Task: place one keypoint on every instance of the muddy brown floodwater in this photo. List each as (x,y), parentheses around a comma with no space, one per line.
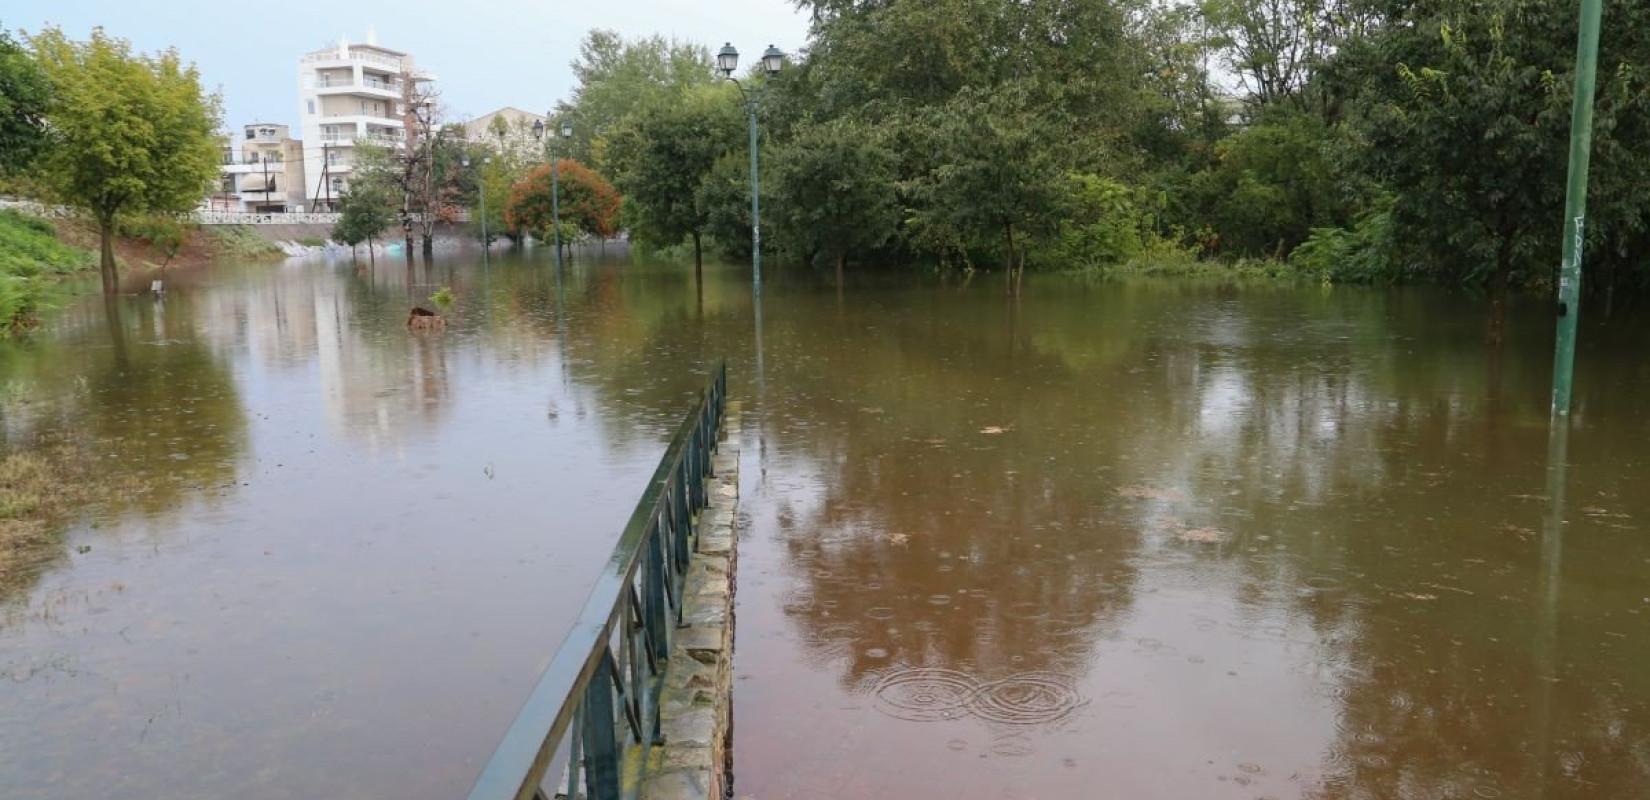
(1134,540)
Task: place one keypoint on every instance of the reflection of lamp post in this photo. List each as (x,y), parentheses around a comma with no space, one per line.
(727,60)
(481,183)
(555,182)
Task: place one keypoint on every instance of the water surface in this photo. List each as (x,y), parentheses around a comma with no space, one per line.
(1137,540)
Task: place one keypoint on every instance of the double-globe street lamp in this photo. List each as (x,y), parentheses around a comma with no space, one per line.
(481,183)
(555,181)
(727,60)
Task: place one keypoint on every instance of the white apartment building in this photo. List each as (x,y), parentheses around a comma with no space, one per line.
(266,175)
(349,94)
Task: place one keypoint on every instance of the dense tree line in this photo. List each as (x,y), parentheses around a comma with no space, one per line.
(1352,140)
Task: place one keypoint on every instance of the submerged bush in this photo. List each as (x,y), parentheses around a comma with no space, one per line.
(1366,253)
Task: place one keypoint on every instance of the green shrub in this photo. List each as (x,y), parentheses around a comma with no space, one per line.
(1106,225)
(312,241)
(1367,253)
(443,296)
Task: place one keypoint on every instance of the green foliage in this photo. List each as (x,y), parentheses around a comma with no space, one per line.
(312,241)
(1270,185)
(366,209)
(25,96)
(1106,224)
(30,257)
(443,297)
(1473,129)
(241,241)
(132,133)
(991,179)
(619,79)
(833,189)
(1368,252)
(661,158)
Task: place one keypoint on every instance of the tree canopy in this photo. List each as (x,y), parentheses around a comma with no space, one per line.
(130,132)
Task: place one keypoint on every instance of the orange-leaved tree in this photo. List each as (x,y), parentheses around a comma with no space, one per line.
(589,204)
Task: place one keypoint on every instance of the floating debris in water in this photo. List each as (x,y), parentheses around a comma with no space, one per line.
(1148,493)
(1206,535)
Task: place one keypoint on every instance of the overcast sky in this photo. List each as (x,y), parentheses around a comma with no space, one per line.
(487,53)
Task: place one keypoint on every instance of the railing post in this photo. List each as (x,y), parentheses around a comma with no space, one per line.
(600,736)
(653,591)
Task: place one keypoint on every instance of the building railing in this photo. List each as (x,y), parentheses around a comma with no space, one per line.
(332,55)
(211,217)
(203,217)
(272,218)
(600,693)
(367,82)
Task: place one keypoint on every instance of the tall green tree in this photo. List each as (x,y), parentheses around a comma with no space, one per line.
(1466,115)
(662,158)
(834,190)
(25,96)
(133,133)
(367,209)
(991,178)
(618,78)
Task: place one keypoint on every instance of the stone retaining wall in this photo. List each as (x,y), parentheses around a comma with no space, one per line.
(696,709)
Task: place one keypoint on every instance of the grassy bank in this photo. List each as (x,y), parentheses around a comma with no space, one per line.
(32,258)
(39,489)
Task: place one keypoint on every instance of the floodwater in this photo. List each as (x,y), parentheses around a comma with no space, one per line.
(1135,540)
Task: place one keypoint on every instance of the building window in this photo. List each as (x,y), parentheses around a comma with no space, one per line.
(311,106)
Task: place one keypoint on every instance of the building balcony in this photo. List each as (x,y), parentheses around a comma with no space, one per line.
(349,139)
(362,121)
(331,58)
(367,87)
(255,167)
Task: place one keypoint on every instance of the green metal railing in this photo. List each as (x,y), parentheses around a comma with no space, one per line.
(600,693)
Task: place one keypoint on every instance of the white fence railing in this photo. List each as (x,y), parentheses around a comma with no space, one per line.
(250,218)
(200,217)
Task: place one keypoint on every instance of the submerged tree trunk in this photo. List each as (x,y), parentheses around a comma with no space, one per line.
(429,245)
(1008,232)
(1498,290)
(117,330)
(106,232)
(841,261)
(698,260)
(1020,274)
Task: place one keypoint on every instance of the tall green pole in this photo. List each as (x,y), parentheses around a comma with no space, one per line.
(756,206)
(555,207)
(1575,205)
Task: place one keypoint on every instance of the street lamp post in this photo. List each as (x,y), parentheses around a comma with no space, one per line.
(555,182)
(481,183)
(727,60)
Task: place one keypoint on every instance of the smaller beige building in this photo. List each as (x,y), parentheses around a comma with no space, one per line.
(264,174)
(508,130)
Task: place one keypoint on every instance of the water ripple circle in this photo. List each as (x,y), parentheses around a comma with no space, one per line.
(1029,698)
(925,694)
